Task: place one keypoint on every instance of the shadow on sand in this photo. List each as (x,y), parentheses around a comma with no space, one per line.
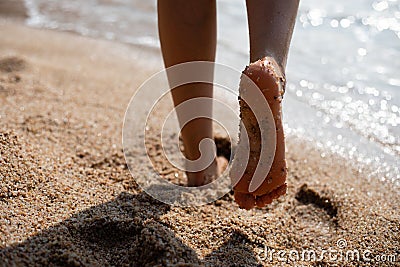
(124,232)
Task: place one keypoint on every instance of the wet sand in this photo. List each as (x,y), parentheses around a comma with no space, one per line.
(67,197)
(14,9)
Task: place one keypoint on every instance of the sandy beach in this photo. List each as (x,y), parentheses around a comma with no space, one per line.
(67,197)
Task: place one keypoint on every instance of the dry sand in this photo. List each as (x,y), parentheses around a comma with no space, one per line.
(68,199)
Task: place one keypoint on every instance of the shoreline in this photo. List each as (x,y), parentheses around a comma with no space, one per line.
(67,196)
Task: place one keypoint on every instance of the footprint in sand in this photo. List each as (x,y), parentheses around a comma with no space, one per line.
(12,63)
(311,196)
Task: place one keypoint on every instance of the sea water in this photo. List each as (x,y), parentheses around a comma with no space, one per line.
(343,90)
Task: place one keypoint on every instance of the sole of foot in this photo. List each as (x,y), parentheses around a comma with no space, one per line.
(268,77)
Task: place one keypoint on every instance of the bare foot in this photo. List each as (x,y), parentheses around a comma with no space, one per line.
(209,174)
(265,73)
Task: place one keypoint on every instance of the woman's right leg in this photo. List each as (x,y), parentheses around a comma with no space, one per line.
(271,26)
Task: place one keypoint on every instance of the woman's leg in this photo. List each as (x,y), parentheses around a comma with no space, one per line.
(187,31)
(271,26)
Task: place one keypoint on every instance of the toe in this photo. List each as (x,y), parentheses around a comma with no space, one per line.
(267,199)
(262,201)
(245,200)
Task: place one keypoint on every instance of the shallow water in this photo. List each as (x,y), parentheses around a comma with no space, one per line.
(343,72)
